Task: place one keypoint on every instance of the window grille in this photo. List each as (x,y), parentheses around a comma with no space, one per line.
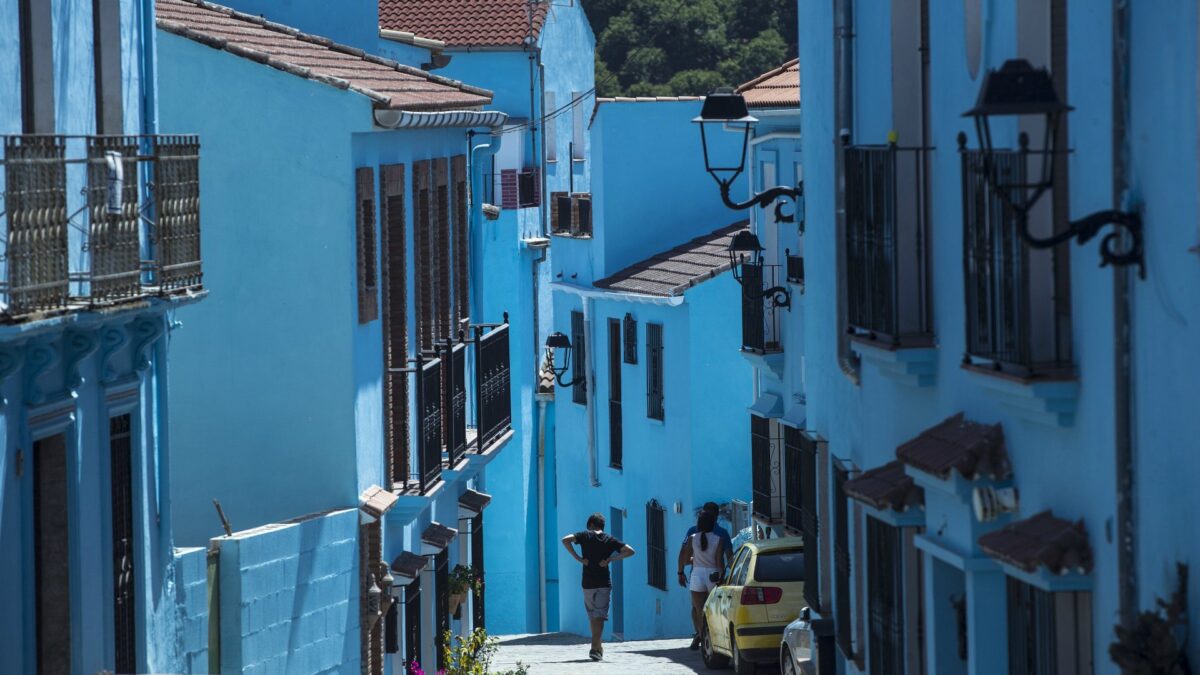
(441,619)
(764,471)
(477,561)
(368,303)
(654,371)
(885,598)
(656,545)
(441,254)
(760,316)
(422,291)
(578,359)
(1048,632)
(429,407)
(370,571)
(412,622)
(493,385)
(615,447)
(841,561)
(454,397)
(120,441)
(395,319)
(801,508)
(630,339)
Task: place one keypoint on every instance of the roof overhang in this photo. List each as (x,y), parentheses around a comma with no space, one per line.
(447,119)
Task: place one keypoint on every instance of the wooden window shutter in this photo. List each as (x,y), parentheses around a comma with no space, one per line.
(581,217)
(370,570)
(462,241)
(578,359)
(421,258)
(630,329)
(368,301)
(654,371)
(441,253)
(395,319)
(509,189)
(557,201)
(656,545)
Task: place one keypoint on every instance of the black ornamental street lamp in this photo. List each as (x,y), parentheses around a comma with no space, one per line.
(1018,89)
(558,342)
(726,108)
(746,245)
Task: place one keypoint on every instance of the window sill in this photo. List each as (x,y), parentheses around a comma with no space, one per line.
(768,360)
(568,235)
(1049,399)
(913,363)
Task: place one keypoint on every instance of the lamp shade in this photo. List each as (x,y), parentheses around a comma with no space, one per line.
(1017,88)
(725,106)
(745,242)
(558,340)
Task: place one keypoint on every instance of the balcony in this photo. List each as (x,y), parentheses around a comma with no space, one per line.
(760,318)
(1016,319)
(444,439)
(95,221)
(886,245)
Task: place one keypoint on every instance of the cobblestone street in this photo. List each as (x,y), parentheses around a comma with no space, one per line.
(554,653)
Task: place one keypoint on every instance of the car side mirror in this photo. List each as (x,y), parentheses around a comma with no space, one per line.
(806,614)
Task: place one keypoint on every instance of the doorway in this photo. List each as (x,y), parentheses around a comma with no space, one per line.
(52,554)
(124,608)
(617,529)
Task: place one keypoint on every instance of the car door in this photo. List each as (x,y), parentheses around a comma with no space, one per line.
(732,595)
(716,608)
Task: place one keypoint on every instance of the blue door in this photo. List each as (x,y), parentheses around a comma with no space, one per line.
(618,579)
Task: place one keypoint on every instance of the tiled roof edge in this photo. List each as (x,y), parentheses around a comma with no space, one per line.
(767,75)
(217,43)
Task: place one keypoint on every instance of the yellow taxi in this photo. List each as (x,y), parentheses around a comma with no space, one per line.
(745,615)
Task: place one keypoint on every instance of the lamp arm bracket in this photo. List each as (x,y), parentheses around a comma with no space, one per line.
(764,199)
(1112,249)
(780,296)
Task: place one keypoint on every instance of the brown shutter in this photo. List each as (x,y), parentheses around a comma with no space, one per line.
(368,301)
(421,258)
(395,319)
(557,224)
(370,571)
(441,253)
(509,189)
(462,241)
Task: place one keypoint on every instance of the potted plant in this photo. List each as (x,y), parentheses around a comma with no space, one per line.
(463,579)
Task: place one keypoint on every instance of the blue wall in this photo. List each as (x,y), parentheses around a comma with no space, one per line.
(191,597)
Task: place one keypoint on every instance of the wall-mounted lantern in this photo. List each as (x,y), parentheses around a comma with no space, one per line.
(743,246)
(727,109)
(1018,89)
(558,342)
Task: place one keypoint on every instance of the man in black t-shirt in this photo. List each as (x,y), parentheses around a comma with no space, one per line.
(598,549)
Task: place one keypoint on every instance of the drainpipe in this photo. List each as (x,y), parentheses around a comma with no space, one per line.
(844,78)
(541,499)
(1123,331)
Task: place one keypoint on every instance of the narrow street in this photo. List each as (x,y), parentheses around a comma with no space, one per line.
(562,653)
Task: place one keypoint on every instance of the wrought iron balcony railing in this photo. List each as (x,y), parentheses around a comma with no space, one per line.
(760,316)
(1013,322)
(493,384)
(96,220)
(886,243)
(766,472)
(426,466)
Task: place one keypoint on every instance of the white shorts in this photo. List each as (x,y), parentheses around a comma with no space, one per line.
(701,581)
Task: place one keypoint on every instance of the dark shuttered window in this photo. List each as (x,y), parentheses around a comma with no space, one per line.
(1048,632)
(368,303)
(801,506)
(462,241)
(614,394)
(630,328)
(656,545)
(841,562)
(440,252)
(578,359)
(885,598)
(395,320)
(654,371)
(422,275)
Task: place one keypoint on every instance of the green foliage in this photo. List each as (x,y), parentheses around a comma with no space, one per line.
(464,578)
(1157,642)
(473,655)
(687,47)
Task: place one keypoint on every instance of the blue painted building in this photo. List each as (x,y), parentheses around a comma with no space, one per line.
(350,385)
(538,59)
(101,246)
(643,432)
(990,444)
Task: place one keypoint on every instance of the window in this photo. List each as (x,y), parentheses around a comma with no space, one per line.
(780,566)
(841,561)
(654,371)
(440,253)
(462,241)
(441,618)
(1048,632)
(630,339)
(37,66)
(761,467)
(106,48)
(801,512)
(581,215)
(579,359)
(614,394)
(577,126)
(550,128)
(368,301)
(52,546)
(370,571)
(120,444)
(656,546)
(395,320)
(529,188)
(741,567)
(422,273)
(561,212)
(885,595)
(412,622)
(477,561)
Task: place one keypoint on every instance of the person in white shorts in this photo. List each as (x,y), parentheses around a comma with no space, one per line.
(703,550)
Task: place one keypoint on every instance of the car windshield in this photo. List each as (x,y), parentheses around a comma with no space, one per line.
(780,566)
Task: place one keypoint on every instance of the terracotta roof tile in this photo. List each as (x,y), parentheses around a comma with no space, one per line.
(675,271)
(438,535)
(376,501)
(409,564)
(388,83)
(1041,541)
(466,23)
(779,88)
(886,487)
(974,449)
(473,500)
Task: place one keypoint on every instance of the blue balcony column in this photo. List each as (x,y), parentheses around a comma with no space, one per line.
(987,627)
(946,645)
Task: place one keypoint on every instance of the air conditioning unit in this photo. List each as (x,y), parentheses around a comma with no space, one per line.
(990,503)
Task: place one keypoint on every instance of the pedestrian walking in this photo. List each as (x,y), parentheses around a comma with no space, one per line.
(597,550)
(704,550)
